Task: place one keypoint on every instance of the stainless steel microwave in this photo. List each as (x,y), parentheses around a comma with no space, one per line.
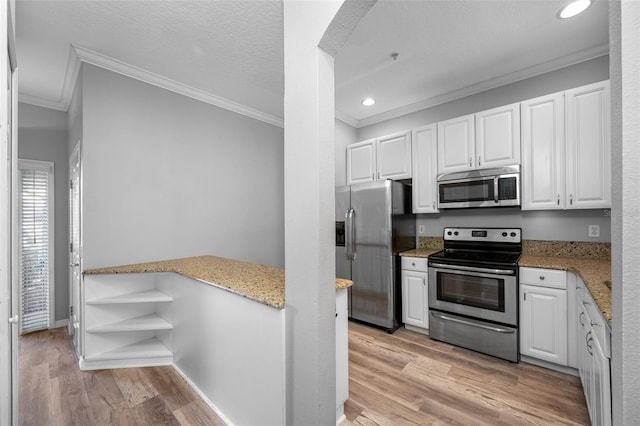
(497,187)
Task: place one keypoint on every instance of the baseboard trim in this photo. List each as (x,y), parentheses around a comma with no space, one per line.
(61,323)
(202,395)
(551,366)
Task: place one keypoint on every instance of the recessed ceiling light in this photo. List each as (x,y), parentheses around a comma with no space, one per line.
(574,8)
(368,101)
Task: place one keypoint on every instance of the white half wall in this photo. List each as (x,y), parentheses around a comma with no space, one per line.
(166,176)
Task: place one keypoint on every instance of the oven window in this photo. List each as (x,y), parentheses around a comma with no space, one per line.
(470,290)
(477,190)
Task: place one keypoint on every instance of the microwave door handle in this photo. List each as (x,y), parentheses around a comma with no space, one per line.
(495,189)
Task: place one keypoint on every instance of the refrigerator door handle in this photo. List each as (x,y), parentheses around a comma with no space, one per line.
(350,234)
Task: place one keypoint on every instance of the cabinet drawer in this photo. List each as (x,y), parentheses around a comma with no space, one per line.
(544,277)
(414,263)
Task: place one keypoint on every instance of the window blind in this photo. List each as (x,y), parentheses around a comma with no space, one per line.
(34,249)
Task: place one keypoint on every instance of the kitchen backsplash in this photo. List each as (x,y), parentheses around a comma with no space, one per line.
(567,249)
(543,248)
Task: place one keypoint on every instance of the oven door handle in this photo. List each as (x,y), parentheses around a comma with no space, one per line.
(473,324)
(472,269)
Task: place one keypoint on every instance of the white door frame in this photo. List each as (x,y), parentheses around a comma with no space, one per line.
(8,217)
(75,255)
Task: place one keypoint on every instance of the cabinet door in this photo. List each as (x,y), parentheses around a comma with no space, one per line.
(600,407)
(361,162)
(456,144)
(414,299)
(498,137)
(394,156)
(543,322)
(588,147)
(425,169)
(543,158)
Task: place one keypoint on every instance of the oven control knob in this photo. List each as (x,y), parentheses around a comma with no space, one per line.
(513,234)
(504,234)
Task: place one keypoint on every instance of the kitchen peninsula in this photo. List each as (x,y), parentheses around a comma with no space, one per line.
(220,322)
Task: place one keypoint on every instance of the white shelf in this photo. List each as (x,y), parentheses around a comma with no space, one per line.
(148,296)
(150,348)
(145,322)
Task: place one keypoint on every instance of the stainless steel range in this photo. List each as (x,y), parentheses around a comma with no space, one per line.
(473,290)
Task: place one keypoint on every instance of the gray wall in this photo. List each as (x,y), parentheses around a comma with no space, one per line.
(166,176)
(543,225)
(42,135)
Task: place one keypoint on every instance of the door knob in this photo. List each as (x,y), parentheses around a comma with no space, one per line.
(14,319)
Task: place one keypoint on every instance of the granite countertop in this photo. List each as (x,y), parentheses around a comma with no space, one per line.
(595,272)
(590,261)
(264,284)
(420,252)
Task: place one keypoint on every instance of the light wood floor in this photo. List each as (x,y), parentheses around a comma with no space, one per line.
(399,379)
(53,391)
(408,379)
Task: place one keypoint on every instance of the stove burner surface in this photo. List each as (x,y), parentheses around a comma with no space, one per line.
(498,257)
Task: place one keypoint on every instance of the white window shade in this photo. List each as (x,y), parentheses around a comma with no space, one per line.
(36,242)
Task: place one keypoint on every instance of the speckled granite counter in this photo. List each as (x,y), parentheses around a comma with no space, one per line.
(264,284)
(420,252)
(596,274)
(591,261)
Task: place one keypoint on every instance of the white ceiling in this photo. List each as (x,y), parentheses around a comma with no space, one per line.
(230,53)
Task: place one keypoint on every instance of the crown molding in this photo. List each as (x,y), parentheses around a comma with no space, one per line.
(473,89)
(347,119)
(79,55)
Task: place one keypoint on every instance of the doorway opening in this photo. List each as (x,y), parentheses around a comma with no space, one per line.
(36,238)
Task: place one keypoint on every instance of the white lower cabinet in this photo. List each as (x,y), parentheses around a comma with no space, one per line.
(415,304)
(594,353)
(543,314)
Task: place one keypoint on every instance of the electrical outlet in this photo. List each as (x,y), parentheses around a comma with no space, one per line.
(594,231)
(421,229)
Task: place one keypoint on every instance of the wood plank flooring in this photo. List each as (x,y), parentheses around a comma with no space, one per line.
(395,379)
(53,391)
(406,378)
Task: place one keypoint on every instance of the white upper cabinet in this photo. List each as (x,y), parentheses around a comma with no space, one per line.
(456,144)
(498,137)
(361,162)
(489,138)
(567,150)
(394,156)
(588,147)
(543,153)
(388,157)
(425,169)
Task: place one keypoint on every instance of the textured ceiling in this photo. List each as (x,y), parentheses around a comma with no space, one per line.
(234,49)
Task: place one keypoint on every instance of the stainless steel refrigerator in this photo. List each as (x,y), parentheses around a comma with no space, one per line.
(373,224)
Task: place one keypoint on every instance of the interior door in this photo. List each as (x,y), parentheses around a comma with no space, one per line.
(74,248)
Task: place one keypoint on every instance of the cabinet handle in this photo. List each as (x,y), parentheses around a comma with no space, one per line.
(558,199)
(580,318)
(541,277)
(594,324)
(571,199)
(434,205)
(478,161)
(589,340)
(424,282)
(525,296)
(373,176)
(470,162)
(586,303)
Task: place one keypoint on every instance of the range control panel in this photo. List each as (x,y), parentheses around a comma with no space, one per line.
(494,235)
